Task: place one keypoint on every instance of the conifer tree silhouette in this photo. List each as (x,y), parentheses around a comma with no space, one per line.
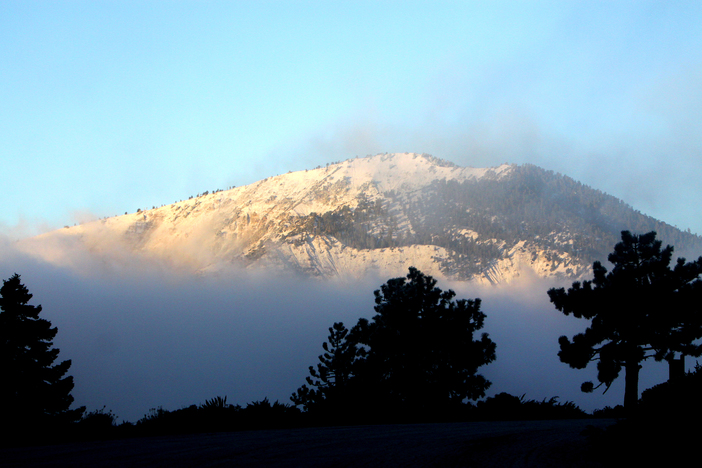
(34,390)
(421,354)
(331,379)
(641,309)
(416,357)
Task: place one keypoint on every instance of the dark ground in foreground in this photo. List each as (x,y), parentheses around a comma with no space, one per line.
(473,444)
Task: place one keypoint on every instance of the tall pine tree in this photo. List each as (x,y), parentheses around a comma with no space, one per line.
(421,353)
(331,381)
(35,391)
(416,359)
(641,309)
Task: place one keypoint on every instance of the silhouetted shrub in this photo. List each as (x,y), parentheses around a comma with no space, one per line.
(97,424)
(216,415)
(609,412)
(99,419)
(674,400)
(504,406)
(215,404)
(264,415)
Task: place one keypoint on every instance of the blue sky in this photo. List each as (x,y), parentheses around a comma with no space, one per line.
(106,107)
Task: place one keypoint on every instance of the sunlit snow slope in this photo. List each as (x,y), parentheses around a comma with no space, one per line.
(377,214)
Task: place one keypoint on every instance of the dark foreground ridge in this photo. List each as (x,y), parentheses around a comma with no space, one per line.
(474,444)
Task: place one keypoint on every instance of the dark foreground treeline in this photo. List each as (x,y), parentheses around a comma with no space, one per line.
(216,415)
(661,423)
(659,420)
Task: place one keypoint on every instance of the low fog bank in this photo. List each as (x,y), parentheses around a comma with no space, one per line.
(143,336)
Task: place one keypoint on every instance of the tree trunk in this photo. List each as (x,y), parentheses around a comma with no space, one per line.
(676,368)
(631,386)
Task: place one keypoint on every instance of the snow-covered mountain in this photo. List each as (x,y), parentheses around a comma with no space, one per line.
(379,214)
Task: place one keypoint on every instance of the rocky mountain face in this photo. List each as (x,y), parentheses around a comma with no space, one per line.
(380,214)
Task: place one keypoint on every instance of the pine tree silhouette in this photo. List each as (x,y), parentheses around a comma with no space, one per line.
(640,309)
(35,391)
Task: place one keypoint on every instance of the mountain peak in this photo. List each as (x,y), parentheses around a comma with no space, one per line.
(380,214)
(404,171)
